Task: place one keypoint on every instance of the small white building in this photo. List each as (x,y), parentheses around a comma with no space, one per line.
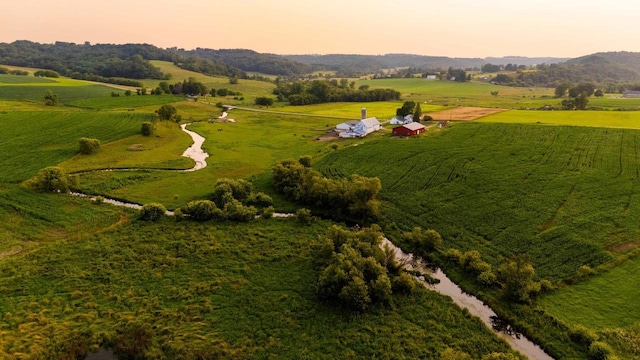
(346,126)
(399,120)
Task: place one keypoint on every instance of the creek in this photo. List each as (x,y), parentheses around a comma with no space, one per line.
(475,307)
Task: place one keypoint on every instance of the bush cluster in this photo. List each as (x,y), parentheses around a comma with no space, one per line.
(353,274)
(350,198)
(231,199)
(52,179)
(89,146)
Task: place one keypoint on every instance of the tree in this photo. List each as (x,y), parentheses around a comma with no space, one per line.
(50,99)
(152,212)
(127,93)
(581,101)
(406,109)
(89,146)
(167,112)
(561,90)
(264,101)
(51,179)
(598,93)
(417,114)
(516,276)
(147,128)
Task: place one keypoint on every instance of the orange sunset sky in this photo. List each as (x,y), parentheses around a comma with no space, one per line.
(456,28)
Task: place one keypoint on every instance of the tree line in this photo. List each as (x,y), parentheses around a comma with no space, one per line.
(353,198)
(323,91)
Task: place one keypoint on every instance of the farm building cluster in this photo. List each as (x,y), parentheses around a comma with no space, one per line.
(358,128)
(367,125)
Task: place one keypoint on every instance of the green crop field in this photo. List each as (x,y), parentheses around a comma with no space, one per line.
(562,195)
(34,140)
(614,119)
(19,79)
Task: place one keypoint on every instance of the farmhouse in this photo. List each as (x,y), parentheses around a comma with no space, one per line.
(631,94)
(399,120)
(410,129)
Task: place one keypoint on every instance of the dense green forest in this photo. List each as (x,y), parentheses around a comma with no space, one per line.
(249,60)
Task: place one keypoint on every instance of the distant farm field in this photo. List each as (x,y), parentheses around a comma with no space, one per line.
(617,119)
(249,88)
(383,110)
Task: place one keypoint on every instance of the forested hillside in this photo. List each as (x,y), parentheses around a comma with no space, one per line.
(597,68)
(249,60)
(102,61)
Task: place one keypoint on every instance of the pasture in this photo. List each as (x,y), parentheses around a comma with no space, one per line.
(212,290)
(36,139)
(250,89)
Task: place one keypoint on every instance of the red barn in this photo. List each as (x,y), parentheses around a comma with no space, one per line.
(409,129)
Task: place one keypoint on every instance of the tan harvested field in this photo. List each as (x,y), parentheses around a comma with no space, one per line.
(464,113)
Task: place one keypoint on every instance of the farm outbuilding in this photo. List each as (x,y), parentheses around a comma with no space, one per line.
(409,129)
(399,120)
(363,128)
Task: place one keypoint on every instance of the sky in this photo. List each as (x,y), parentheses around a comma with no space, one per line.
(454,28)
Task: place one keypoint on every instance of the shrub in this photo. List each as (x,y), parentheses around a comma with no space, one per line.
(89,146)
(268,212)
(99,200)
(50,99)
(264,101)
(201,210)
(234,210)
(453,255)
(305,161)
(152,212)
(260,199)
(167,112)
(147,128)
(600,351)
(51,179)
(487,278)
(583,335)
(304,216)
(403,284)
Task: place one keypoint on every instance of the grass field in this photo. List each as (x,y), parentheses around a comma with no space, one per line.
(35,139)
(243,149)
(382,110)
(250,89)
(19,79)
(213,290)
(614,295)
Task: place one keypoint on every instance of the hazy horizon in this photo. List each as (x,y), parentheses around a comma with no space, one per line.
(450,28)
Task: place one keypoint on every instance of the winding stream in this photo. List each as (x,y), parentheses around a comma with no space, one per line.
(445,286)
(476,307)
(195,151)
